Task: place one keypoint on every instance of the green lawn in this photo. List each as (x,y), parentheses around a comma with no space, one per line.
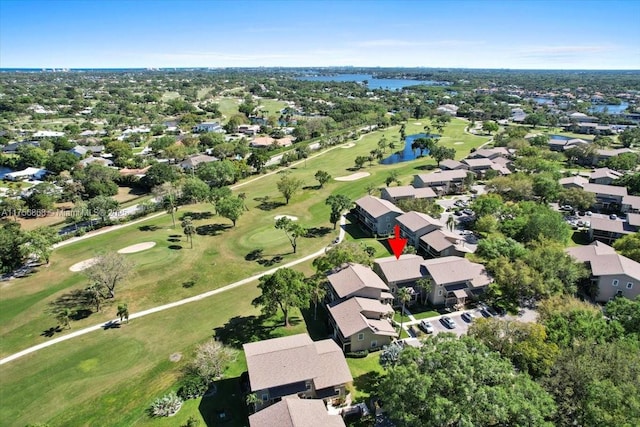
(227,106)
(114,375)
(366,371)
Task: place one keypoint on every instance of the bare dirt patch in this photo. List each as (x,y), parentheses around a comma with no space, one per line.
(291,217)
(175,357)
(353,176)
(83,265)
(139,247)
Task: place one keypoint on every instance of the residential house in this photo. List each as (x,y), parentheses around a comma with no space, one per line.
(377,215)
(450,164)
(401,272)
(414,225)
(442,182)
(208,127)
(88,160)
(356,280)
(565,144)
(292,411)
(607,196)
(604,176)
(609,230)
(441,243)
(79,151)
(490,153)
(28,173)
(575,181)
(455,280)
(267,141)
(249,129)
(393,194)
(12,148)
(192,162)
(613,274)
(603,155)
(479,166)
(449,109)
(296,365)
(361,324)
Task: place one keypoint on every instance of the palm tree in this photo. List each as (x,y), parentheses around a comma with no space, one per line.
(188,229)
(318,292)
(404,297)
(252,400)
(451,222)
(63,317)
(426,286)
(123,312)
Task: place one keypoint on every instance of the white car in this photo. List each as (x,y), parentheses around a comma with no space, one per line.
(426,326)
(468,317)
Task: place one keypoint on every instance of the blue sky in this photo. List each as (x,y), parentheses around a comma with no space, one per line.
(537,34)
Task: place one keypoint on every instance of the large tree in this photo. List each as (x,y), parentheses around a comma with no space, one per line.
(108,271)
(525,344)
(211,359)
(341,254)
(629,246)
(288,186)
(231,207)
(61,161)
(194,190)
(292,229)
(577,198)
(322,177)
(11,241)
(284,290)
(103,207)
(453,381)
(40,243)
(440,153)
(626,312)
(217,174)
(338,203)
(630,136)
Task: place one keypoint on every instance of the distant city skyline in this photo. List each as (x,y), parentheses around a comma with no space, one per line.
(525,34)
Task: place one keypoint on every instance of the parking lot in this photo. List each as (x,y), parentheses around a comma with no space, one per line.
(462,326)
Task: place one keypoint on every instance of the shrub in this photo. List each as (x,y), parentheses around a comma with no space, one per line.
(192,386)
(166,406)
(358,354)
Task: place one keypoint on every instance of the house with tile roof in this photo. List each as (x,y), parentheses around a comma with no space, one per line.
(356,280)
(361,324)
(393,194)
(443,242)
(455,280)
(604,176)
(613,274)
(401,272)
(376,215)
(296,365)
(414,225)
(609,230)
(442,182)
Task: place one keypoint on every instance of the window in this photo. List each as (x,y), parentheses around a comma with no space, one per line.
(615,282)
(265,397)
(374,343)
(439,293)
(629,285)
(360,336)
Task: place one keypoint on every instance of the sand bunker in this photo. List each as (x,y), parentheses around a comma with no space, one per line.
(137,248)
(458,143)
(353,176)
(418,124)
(348,145)
(83,265)
(291,217)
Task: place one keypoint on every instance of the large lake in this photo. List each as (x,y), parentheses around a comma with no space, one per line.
(596,108)
(407,154)
(372,83)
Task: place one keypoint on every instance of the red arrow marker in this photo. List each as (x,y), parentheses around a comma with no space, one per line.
(397,243)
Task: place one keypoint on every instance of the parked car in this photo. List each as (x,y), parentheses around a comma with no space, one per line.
(448,322)
(588,213)
(566,208)
(613,216)
(467,211)
(468,317)
(485,312)
(426,326)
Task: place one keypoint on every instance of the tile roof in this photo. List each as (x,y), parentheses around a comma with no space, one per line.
(452,269)
(451,164)
(377,207)
(604,173)
(410,191)
(576,180)
(440,240)
(295,412)
(604,261)
(407,267)
(353,278)
(414,221)
(633,201)
(442,176)
(611,225)
(350,319)
(280,361)
(605,189)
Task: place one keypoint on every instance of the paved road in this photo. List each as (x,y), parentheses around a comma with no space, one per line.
(170,305)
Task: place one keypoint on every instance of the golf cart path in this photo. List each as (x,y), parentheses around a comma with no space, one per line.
(173,304)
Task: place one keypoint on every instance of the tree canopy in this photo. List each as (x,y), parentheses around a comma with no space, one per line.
(284,289)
